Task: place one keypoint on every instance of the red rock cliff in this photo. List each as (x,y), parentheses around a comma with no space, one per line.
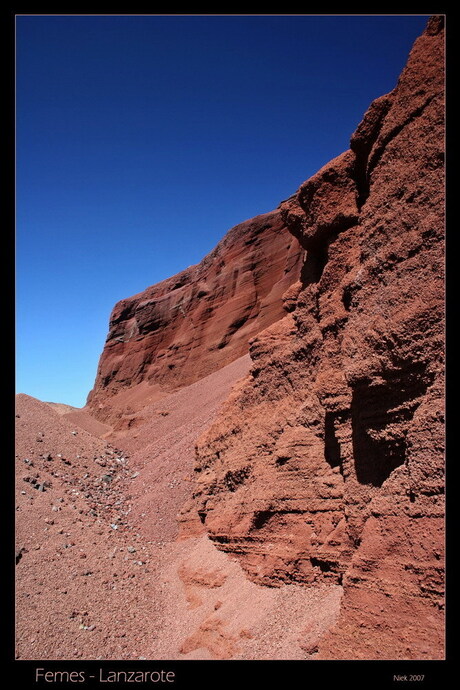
(327,463)
(196,322)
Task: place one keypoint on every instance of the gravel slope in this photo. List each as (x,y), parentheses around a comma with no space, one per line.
(101,572)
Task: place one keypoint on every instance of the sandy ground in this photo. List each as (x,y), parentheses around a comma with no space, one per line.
(100,571)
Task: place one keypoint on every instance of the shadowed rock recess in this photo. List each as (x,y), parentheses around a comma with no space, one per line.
(326,463)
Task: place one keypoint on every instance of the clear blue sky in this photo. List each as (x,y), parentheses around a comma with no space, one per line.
(142,140)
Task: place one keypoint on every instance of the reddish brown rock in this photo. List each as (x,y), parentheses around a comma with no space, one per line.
(196,322)
(327,462)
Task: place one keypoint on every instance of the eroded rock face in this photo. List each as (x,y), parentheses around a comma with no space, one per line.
(327,461)
(196,322)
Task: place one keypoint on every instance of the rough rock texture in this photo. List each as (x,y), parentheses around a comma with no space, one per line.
(327,463)
(196,322)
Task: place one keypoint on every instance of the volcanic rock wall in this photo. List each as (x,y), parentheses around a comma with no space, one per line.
(186,327)
(327,462)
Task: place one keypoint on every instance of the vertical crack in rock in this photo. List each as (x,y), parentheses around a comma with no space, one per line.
(313,267)
(362,141)
(331,443)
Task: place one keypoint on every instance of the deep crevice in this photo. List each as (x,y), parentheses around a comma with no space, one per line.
(331,443)
(282,459)
(261,517)
(324,565)
(347,297)
(361,180)
(380,416)
(313,267)
(377,154)
(365,163)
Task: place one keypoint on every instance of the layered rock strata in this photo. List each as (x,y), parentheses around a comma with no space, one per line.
(326,463)
(186,327)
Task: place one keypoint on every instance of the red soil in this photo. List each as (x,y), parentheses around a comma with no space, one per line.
(100,571)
